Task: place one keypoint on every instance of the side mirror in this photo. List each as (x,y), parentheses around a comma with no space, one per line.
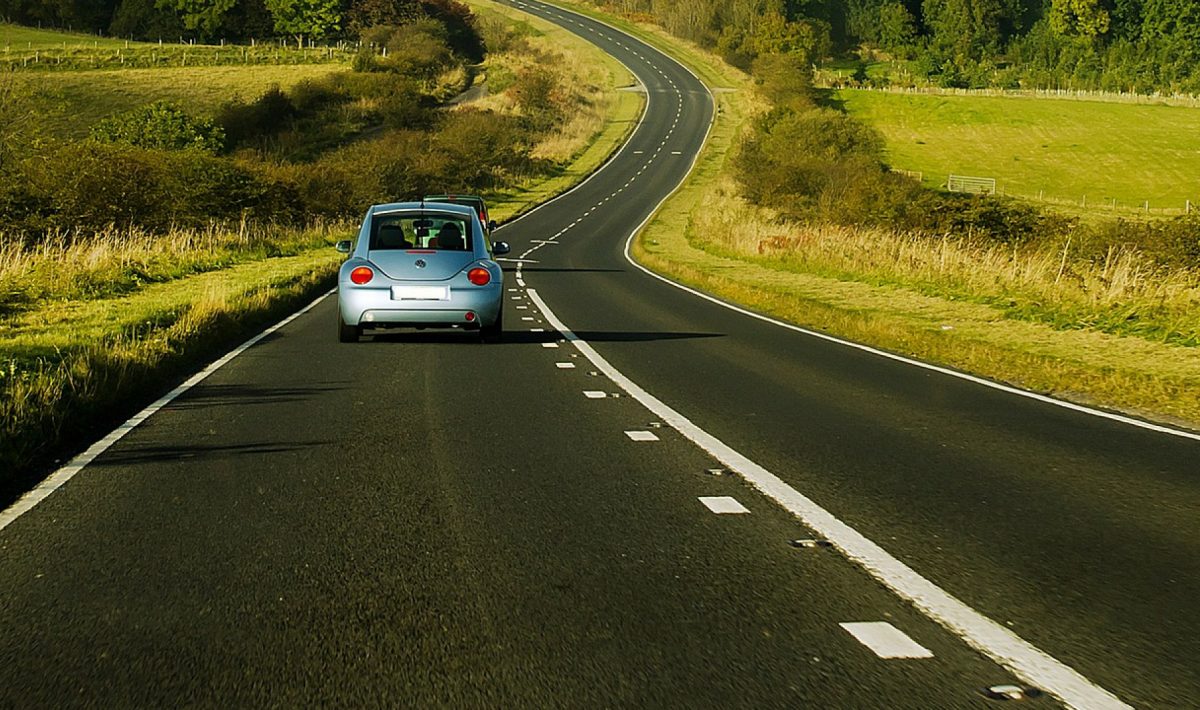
(343,246)
(500,248)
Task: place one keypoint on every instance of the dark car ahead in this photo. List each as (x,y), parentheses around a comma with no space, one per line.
(474,201)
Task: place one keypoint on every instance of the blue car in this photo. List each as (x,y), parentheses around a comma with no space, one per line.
(421,265)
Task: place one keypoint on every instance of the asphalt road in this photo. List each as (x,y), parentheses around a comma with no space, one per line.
(421,520)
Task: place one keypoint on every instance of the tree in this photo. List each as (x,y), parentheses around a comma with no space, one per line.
(305,18)
(204,16)
(142,19)
(897,29)
(775,34)
(365,14)
(1078,18)
(969,29)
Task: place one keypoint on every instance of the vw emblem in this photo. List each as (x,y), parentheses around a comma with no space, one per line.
(420,264)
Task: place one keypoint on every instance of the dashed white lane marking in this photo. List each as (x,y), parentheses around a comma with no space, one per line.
(997,642)
(527,318)
(565,365)
(595,394)
(641,435)
(537,330)
(549,345)
(522,308)
(886,640)
(724,505)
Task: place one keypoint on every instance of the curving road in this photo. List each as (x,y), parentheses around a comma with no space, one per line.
(418,520)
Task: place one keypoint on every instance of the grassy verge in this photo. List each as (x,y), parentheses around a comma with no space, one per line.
(606,117)
(920,314)
(72,367)
(1075,152)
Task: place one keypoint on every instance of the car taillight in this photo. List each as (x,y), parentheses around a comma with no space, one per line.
(361,275)
(479,277)
(470,316)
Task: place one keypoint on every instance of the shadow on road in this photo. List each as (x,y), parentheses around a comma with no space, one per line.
(550,269)
(205,396)
(198,452)
(524,337)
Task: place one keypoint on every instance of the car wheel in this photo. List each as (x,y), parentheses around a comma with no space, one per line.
(492,333)
(348,333)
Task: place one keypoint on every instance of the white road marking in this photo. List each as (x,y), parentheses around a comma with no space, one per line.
(537,330)
(886,640)
(527,318)
(724,505)
(997,642)
(565,365)
(549,345)
(522,308)
(641,435)
(594,394)
(57,479)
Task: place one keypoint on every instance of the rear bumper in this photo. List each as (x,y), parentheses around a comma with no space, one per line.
(369,307)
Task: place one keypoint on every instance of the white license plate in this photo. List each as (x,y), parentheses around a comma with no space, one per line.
(420,293)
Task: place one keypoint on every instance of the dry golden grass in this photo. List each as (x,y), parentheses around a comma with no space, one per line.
(1124,293)
(122,261)
(586,76)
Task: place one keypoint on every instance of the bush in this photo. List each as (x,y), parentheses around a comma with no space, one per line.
(85,187)
(536,91)
(161,125)
(269,114)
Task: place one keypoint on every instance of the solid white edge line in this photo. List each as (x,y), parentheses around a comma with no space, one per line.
(997,642)
(65,473)
(1160,428)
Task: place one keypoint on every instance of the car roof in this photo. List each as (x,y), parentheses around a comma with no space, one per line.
(454,196)
(418,206)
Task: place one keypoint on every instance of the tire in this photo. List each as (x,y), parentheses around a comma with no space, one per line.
(494,332)
(348,333)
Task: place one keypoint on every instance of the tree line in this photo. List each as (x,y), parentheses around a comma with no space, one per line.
(1114,45)
(234,20)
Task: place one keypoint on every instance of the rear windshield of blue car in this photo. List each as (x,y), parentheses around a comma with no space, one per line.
(443,232)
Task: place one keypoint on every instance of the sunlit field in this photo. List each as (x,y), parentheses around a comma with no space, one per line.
(1084,153)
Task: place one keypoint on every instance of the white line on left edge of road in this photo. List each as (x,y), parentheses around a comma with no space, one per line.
(1025,660)
(56,480)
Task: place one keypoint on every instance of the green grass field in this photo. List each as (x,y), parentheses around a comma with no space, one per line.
(75,101)
(1062,150)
